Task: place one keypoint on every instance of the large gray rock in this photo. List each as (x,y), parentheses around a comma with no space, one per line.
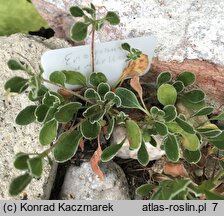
(14,138)
(82,184)
(190,29)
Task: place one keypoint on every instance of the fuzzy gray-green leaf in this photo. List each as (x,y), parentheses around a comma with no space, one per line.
(79,31)
(171,148)
(21,161)
(90,131)
(142,155)
(92,94)
(112,18)
(67,145)
(185,126)
(179,86)
(170,113)
(26,116)
(41,112)
(188,78)
(145,189)
(128,98)
(219,117)
(204,111)
(163,77)
(161,128)
(110,127)
(19,184)
(58,77)
(134,134)
(48,132)
(102,89)
(110,152)
(16,84)
(194,96)
(218,141)
(192,156)
(65,113)
(35,166)
(96,78)
(14,64)
(167,94)
(76,11)
(74,78)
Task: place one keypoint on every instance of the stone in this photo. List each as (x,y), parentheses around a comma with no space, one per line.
(15,138)
(185,29)
(81,183)
(189,33)
(118,136)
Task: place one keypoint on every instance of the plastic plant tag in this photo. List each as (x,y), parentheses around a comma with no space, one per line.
(110,58)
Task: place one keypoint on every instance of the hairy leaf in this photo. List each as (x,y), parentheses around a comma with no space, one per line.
(75,78)
(194,96)
(76,11)
(58,77)
(79,31)
(111,151)
(185,126)
(110,127)
(112,18)
(192,156)
(218,141)
(179,86)
(48,132)
(19,184)
(65,113)
(67,145)
(145,189)
(35,166)
(167,94)
(170,113)
(161,128)
(41,112)
(128,98)
(171,148)
(26,116)
(142,155)
(94,113)
(14,64)
(204,111)
(90,131)
(91,94)
(220,117)
(188,78)
(102,89)
(134,134)
(16,84)
(96,78)
(163,77)
(21,161)
(190,141)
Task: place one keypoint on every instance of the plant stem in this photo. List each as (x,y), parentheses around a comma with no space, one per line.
(69,91)
(92,48)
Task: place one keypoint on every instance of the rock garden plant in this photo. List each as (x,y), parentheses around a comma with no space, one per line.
(71,119)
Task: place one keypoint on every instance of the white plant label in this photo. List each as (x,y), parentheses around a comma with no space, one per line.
(110,58)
